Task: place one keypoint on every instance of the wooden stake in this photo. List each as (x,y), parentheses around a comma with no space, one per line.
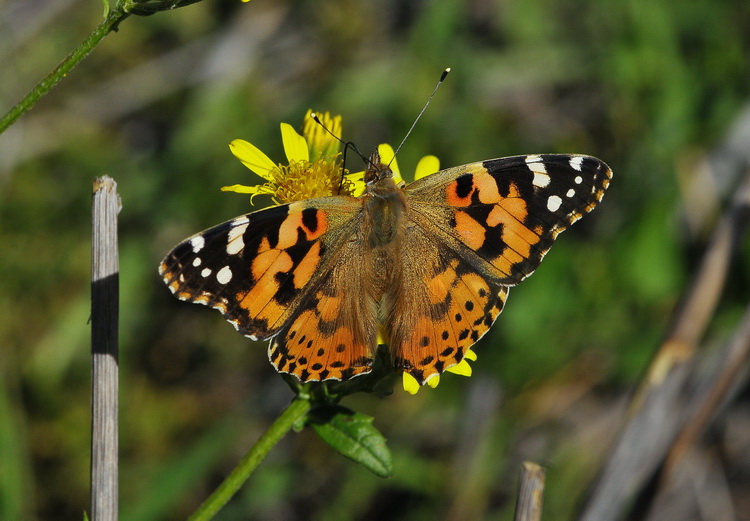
(530,493)
(104,350)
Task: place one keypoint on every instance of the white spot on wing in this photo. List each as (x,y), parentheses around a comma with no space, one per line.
(540,180)
(224,275)
(536,165)
(236,244)
(570,193)
(197,261)
(197,242)
(576,162)
(534,158)
(206,272)
(553,203)
(578,179)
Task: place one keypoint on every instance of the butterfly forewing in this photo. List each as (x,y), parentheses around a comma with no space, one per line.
(257,268)
(509,211)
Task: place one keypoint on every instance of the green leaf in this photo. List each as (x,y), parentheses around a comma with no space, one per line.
(353,435)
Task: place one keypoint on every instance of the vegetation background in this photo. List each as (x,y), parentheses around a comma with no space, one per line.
(659,90)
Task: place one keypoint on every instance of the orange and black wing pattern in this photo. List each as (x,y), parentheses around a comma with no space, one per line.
(509,211)
(278,273)
(475,231)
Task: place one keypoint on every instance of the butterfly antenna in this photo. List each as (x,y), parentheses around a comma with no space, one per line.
(440,81)
(347,145)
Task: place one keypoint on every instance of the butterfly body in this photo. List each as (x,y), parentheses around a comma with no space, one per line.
(431,263)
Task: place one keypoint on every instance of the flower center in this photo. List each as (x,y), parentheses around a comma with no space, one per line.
(305,180)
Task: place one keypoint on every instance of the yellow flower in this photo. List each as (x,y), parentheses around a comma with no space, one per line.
(411,385)
(314,167)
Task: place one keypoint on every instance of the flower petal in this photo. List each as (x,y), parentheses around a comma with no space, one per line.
(463,368)
(357,179)
(241,189)
(252,190)
(387,157)
(433,380)
(470,355)
(426,166)
(411,385)
(320,143)
(252,157)
(295,145)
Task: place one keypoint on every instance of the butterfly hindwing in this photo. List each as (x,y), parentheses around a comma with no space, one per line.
(441,309)
(333,333)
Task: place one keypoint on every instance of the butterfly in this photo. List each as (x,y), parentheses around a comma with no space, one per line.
(430,263)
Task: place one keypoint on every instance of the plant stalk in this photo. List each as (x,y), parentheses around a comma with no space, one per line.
(251,460)
(109,24)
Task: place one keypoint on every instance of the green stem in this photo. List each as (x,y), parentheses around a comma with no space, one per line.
(110,22)
(251,460)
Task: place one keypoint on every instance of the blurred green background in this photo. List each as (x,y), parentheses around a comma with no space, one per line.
(656,89)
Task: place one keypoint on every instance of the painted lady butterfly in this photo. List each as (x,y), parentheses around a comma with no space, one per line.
(432,262)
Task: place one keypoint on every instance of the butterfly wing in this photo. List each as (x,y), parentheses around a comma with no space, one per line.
(508,212)
(333,333)
(276,273)
(476,230)
(442,306)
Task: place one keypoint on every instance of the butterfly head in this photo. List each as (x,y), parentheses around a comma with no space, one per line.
(379,178)
(376,170)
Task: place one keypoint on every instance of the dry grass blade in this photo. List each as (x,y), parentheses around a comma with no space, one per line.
(714,392)
(659,408)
